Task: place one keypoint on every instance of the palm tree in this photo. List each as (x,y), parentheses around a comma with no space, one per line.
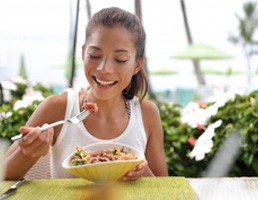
(196,63)
(138,12)
(247,27)
(73,67)
(1,94)
(88,7)
(22,70)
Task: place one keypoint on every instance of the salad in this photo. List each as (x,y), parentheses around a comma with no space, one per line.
(82,157)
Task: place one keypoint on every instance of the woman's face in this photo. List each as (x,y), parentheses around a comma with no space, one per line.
(109,61)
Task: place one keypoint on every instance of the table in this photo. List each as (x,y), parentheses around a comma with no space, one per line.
(225,188)
(147,188)
(159,188)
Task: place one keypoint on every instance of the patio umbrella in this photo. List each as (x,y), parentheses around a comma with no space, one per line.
(202,52)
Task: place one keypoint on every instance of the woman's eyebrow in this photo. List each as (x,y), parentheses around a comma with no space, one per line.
(116,51)
(94,47)
(121,50)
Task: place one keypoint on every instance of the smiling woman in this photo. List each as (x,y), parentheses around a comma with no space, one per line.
(113,58)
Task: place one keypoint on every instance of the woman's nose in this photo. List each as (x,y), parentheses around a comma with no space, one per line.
(105,66)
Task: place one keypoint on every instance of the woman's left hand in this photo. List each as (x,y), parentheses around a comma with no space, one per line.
(136,173)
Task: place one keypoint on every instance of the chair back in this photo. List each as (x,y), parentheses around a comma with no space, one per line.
(41,170)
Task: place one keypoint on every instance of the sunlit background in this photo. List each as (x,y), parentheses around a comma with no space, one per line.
(40,32)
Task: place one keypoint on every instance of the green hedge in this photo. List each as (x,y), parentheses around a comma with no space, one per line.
(11,119)
(238,114)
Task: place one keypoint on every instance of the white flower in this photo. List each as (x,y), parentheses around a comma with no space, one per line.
(220,97)
(5,115)
(19,79)
(7,87)
(204,143)
(28,98)
(194,116)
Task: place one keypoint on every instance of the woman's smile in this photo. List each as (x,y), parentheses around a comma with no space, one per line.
(105,83)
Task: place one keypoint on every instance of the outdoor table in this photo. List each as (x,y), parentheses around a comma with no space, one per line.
(145,188)
(158,188)
(225,188)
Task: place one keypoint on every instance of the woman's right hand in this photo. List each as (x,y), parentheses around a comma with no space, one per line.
(35,143)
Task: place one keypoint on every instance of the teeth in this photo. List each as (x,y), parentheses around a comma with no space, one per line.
(105,82)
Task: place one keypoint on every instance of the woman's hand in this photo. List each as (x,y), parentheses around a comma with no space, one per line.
(35,143)
(137,172)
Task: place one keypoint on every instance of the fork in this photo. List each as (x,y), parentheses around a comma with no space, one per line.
(74,120)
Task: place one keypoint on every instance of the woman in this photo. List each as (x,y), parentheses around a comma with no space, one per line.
(113,59)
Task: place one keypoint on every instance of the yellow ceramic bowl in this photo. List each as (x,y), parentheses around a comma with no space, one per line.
(104,172)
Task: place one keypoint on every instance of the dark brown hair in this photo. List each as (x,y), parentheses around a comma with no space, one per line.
(114,16)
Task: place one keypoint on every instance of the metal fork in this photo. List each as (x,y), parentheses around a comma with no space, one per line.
(74,120)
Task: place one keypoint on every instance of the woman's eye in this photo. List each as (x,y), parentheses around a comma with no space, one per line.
(94,57)
(120,61)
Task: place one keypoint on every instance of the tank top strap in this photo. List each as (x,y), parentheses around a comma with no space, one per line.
(72,105)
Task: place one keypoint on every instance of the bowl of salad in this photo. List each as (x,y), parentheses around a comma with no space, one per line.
(104,162)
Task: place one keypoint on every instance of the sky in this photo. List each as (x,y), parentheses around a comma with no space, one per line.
(40,31)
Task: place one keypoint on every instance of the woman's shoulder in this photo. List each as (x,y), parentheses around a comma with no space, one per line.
(50,109)
(53,106)
(149,108)
(151,117)
(56,100)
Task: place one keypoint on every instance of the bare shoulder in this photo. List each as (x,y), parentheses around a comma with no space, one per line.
(149,108)
(151,117)
(50,109)
(56,101)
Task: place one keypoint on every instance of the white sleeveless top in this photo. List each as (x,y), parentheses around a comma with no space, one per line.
(73,135)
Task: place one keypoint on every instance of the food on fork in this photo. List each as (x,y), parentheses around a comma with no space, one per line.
(82,157)
(90,106)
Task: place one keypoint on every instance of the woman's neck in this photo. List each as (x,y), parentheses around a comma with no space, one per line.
(111,108)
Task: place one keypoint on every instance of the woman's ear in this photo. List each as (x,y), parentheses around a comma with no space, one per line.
(139,65)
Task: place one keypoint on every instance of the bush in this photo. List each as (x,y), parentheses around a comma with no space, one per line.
(239,113)
(12,120)
(177,147)
(21,99)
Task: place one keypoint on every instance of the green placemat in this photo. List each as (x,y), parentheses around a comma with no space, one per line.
(145,188)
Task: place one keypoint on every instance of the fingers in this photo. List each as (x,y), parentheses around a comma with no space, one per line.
(30,134)
(25,129)
(136,173)
(45,144)
(36,143)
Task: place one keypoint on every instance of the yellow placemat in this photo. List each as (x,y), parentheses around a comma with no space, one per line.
(161,188)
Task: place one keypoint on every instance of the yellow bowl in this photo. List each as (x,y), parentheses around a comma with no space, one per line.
(104,172)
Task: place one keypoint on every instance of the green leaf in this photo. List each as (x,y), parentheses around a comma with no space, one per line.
(254,137)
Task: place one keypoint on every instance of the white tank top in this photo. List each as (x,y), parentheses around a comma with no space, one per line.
(73,135)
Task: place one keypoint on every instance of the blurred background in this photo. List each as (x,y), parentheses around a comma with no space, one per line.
(37,40)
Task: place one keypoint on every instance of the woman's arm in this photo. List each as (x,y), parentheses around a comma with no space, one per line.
(155,164)
(155,147)
(23,154)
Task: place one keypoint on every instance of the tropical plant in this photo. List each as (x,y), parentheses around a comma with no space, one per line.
(20,100)
(246,36)
(196,63)
(22,71)
(236,112)
(138,12)
(88,8)
(12,119)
